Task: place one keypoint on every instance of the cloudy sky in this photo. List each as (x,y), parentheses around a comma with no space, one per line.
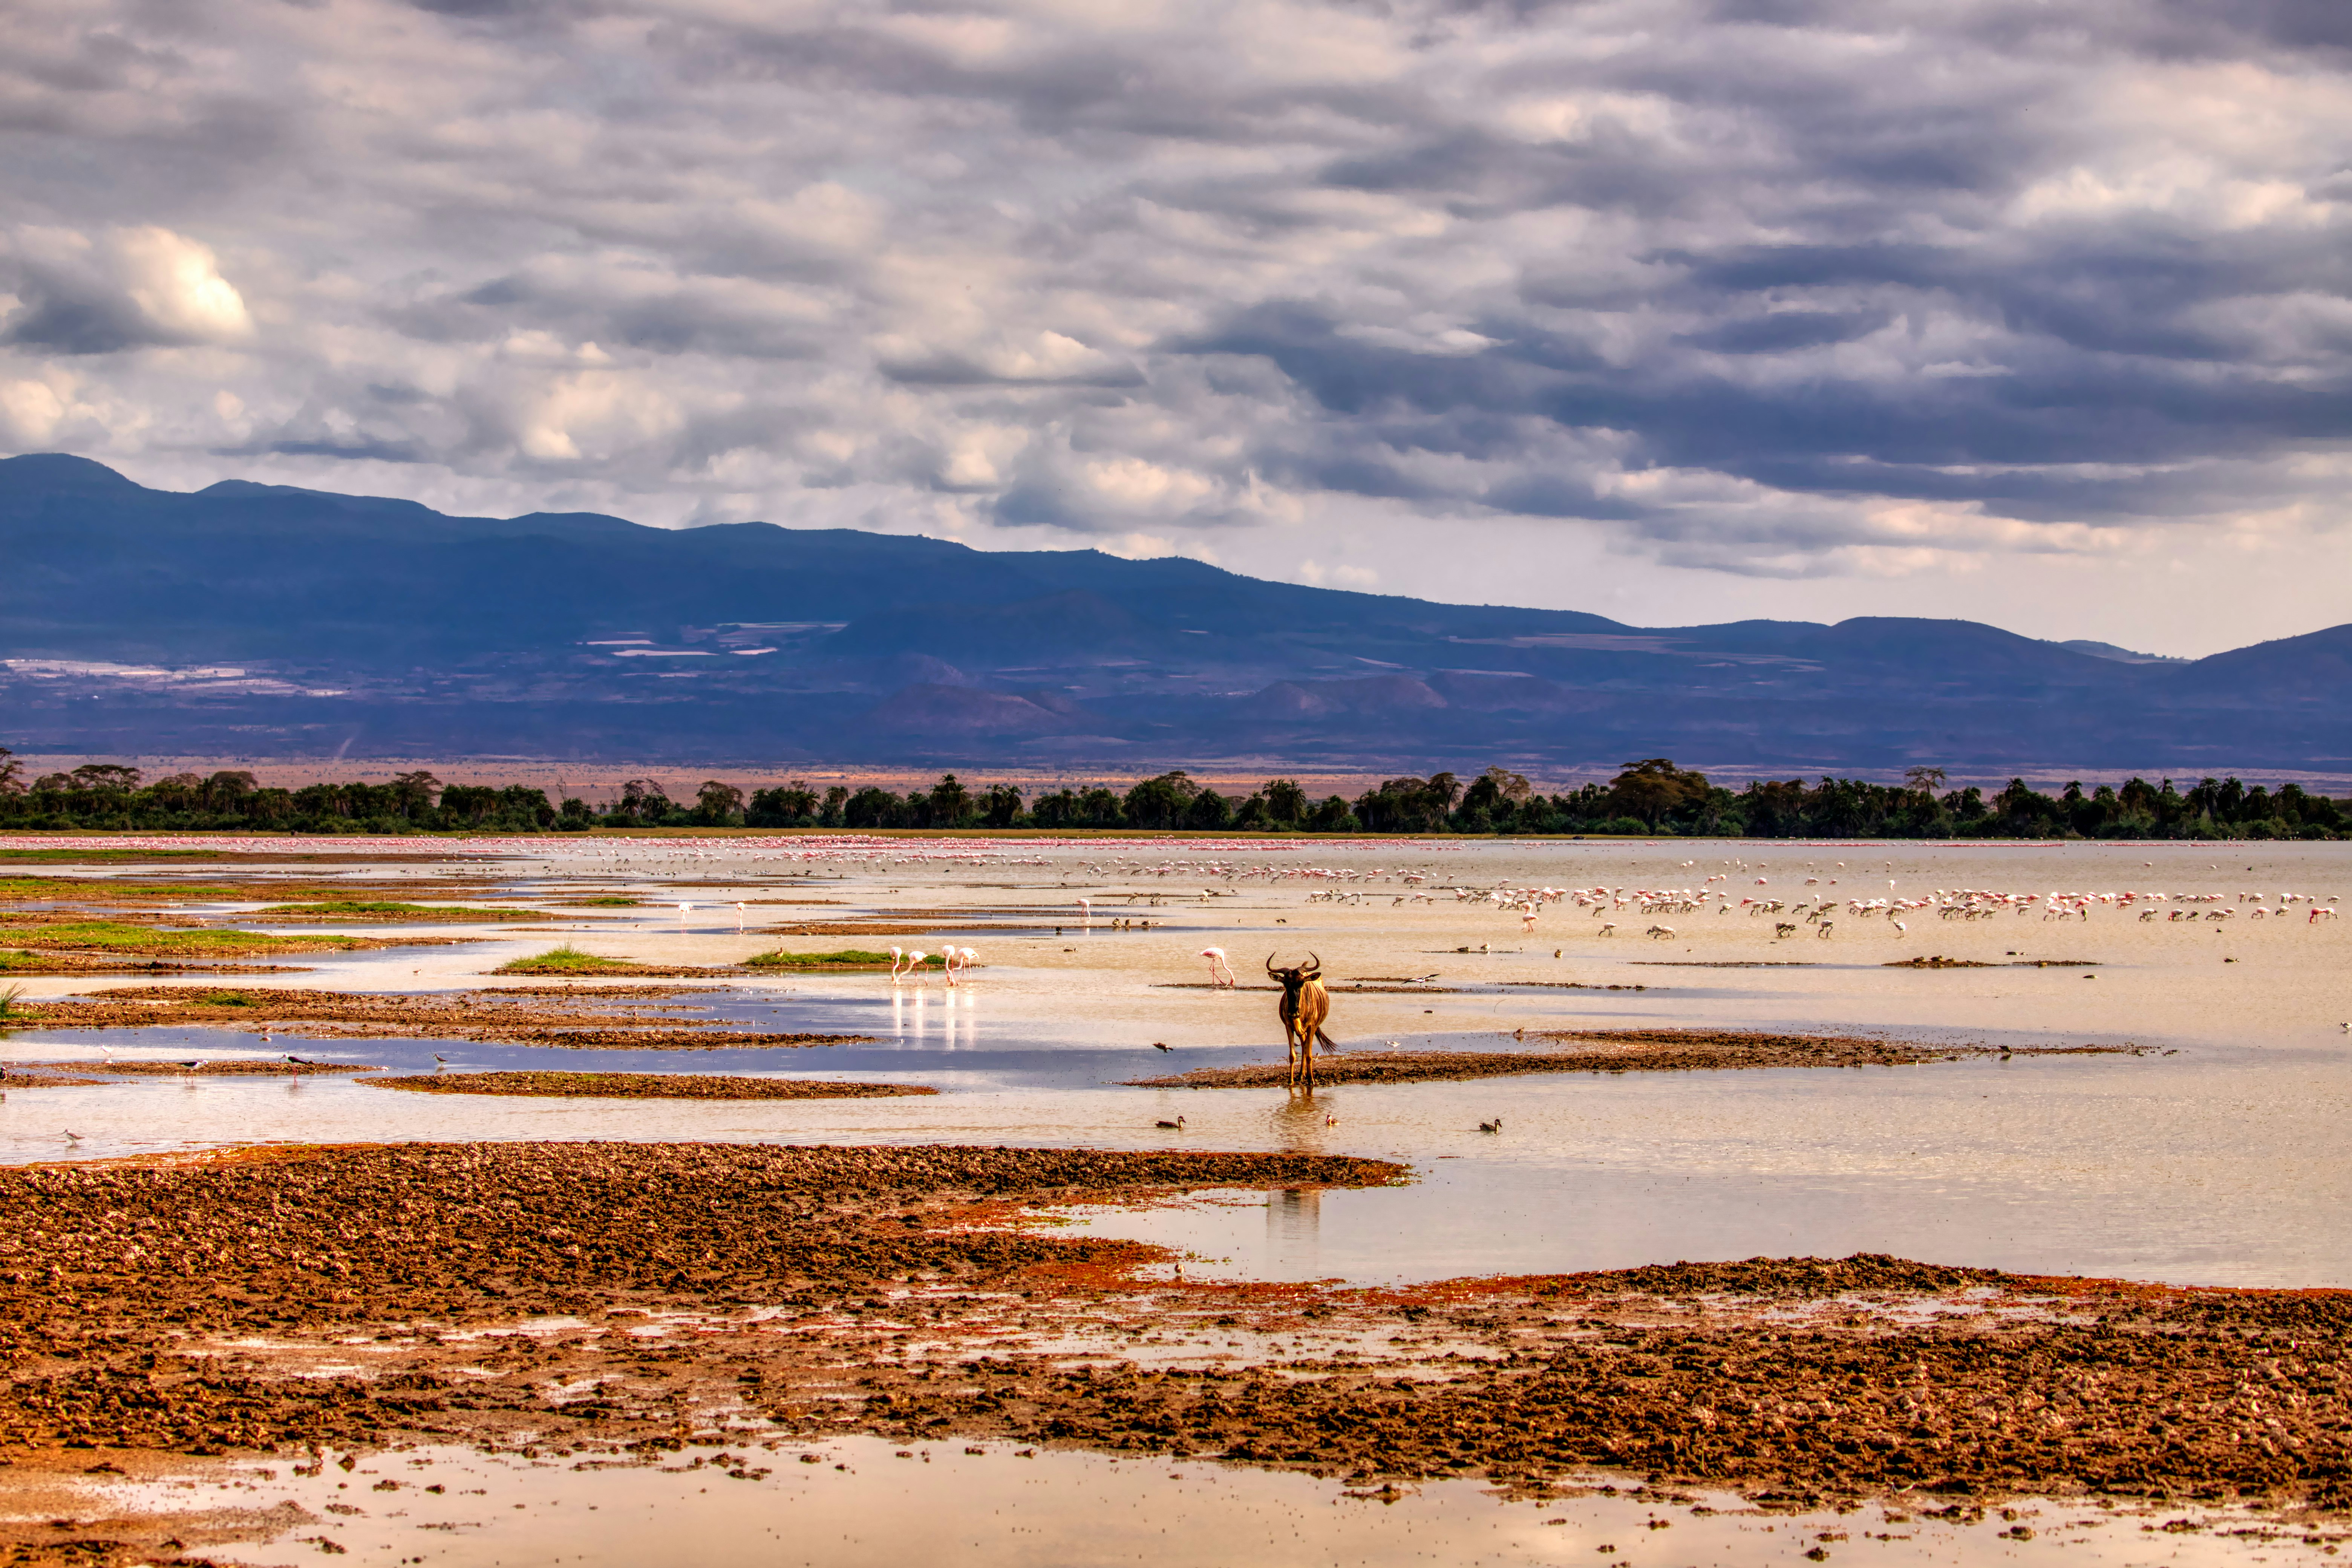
(1672,310)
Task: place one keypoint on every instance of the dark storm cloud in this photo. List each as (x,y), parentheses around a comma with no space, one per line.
(1736,282)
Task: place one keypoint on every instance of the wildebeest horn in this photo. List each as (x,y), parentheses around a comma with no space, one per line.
(1269,964)
(1313,964)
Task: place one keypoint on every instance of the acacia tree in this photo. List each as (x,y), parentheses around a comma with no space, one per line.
(1654,789)
(12,773)
(1160,802)
(416,791)
(716,804)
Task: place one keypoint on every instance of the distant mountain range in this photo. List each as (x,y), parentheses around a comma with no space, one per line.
(259,620)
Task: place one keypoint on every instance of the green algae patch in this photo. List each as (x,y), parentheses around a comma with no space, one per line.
(847,958)
(119,938)
(568,959)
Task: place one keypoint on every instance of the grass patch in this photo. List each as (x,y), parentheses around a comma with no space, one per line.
(8,995)
(614,901)
(568,959)
(847,958)
(116,937)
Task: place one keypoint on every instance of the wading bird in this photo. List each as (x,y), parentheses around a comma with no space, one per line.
(1218,972)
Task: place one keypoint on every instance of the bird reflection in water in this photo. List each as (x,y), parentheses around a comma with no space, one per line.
(958,1018)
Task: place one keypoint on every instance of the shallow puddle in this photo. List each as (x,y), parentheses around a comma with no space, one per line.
(862,1501)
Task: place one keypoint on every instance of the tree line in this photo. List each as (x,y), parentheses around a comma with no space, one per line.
(1652,798)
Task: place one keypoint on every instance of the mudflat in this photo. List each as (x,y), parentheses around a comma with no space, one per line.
(1617,1050)
(207,1305)
(642,1086)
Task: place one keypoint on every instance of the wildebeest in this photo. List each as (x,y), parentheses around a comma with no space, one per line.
(1304,1007)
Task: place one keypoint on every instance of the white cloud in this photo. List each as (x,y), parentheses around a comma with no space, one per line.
(1714,300)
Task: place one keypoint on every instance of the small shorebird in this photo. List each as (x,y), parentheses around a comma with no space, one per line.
(1164,1046)
(72,1137)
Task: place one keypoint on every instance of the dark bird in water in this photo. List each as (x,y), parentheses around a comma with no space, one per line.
(301,1061)
(192,1065)
(1175,1126)
(1493,1126)
(72,1137)
(1161,1046)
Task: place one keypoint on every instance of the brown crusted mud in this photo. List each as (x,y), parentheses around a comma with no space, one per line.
(606,1018)
(197,1307)
(43,1077)
(122,1283)
(17,961)
(1618,1050)
(643,1086)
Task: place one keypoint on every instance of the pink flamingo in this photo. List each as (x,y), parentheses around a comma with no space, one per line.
(915,964)
(894,957)
(1222,976)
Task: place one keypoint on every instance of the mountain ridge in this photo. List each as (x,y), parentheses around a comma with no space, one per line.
(374,626)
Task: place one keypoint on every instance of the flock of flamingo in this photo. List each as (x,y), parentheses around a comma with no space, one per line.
(906,968)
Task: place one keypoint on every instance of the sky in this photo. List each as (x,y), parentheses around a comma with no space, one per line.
(1673,311)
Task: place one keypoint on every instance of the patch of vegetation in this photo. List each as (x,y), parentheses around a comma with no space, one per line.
(847,958)
(8,999)
(226,999)
(116,937)
(613,901)
(566,960)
